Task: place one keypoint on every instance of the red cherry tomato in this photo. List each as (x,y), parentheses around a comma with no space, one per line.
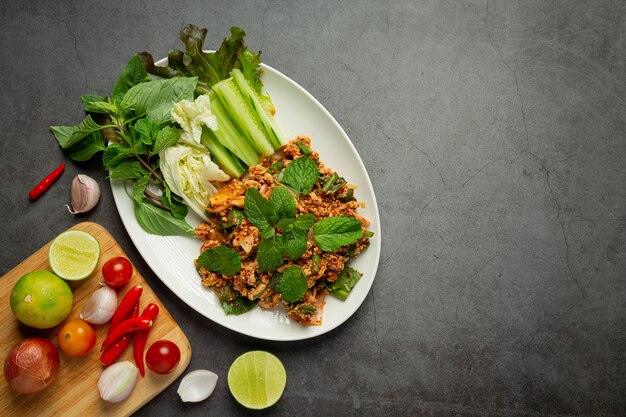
(163,356)
(76,337)
(117,271)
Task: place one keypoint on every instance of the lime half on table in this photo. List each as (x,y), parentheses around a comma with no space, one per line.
(74,255)
(257,379)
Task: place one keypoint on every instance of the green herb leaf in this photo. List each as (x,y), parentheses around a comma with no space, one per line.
(70,135)
(156,98)
(304,149)
(346,280)
(302,223)
(332,233)
(220,259)
(233,302)
(270,253)
(97,104)
(157,221)
(166,137)
(284,202)
(134,73)
(301,175)
(293,284)
(268,233)
(114,155)
(128,170)
(295,243)
(86,148)
(259,211)
(139,188)
(144,130)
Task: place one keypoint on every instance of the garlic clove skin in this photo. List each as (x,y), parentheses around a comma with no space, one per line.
(118,381)
(101,306)
(85,194)
(197,385)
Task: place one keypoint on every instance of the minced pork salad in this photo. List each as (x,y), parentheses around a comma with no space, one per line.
(284,233)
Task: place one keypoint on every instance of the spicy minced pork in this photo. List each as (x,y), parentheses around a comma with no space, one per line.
(329,196)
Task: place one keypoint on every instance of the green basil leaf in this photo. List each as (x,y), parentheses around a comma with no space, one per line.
(69,135)
(134,73)
(86,148)
(284,202)
(157,221)
(97,104)
(301,175)
(259,211)
(128,170)
(332,233)
(293,284)
(270,253)
(166,137)
(156,98)
(220,259)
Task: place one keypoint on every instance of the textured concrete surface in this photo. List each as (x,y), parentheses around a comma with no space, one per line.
(493,132)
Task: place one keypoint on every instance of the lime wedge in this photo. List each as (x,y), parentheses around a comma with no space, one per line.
(257,379)
(74,255)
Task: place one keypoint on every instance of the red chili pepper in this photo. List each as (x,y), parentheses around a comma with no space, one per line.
(46,182)
(140,338)
(125,307)
(115,350)
(131,325)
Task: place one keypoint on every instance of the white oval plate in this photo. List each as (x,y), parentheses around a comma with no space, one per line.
(171,257)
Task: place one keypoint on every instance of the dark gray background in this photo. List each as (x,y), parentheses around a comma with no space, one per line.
(493,132)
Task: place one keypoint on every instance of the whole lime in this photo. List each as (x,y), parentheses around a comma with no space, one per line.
(41,299)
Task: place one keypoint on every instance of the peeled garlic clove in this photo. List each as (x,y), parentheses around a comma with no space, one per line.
(118,381)
(197,385)
(85,194)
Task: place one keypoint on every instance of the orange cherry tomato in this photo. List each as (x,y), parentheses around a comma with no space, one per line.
(76,337)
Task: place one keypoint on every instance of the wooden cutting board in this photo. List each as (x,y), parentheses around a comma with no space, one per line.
(74,391)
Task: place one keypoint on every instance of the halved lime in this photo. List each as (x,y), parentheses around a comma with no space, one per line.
(74,255)
(257,379)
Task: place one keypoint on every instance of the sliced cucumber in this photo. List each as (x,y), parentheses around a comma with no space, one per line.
(221,155)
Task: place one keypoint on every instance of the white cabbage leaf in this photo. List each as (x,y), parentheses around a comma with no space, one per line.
(191,115)
(188,170)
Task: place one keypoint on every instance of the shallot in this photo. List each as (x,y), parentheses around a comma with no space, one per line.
(197,385)
(117,381)
(85,194)
(101,306)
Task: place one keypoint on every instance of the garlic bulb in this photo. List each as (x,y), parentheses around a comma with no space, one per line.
(197,385)
(85,194)
(101,306)
(117,381)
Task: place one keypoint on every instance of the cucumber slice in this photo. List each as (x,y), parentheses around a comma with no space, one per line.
(221,155)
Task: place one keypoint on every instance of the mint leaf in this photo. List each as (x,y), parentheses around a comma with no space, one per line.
(293,284)
(270,253)
(128,170)
(114,155)
(156,98)
(134,73)
(284,202)
(346,280)
(139,188)
(157,221)
(295,243)
(233,302)
(220,259)
(69,135)
(87,147)
(166,137)
(302,222)
(301,175)
(267,233)
(145,131)
(259,211)
(332,233)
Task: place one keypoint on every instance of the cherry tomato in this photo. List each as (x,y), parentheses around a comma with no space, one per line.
(117,271)
(76,337)
(163,356)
